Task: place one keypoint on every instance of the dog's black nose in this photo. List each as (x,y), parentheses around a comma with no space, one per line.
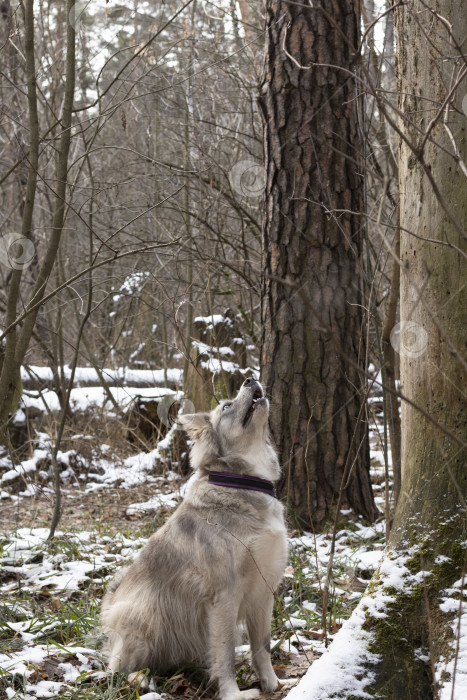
(249,381)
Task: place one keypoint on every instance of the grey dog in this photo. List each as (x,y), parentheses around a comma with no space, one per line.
(215,563)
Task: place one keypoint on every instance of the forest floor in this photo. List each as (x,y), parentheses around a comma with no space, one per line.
(113,498)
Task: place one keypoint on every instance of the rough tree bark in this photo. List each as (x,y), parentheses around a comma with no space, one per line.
(433,281)
(389,367)
(312,313)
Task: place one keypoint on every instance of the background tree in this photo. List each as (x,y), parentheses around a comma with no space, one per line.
(158,114)
(313,337)
(433,186)
(405,634)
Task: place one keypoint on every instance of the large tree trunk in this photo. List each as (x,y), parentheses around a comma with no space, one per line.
(432,507)
(313,343)
(433,275)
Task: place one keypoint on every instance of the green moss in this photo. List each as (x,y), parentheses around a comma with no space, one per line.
(395,639)
(374,583)
(423,553)
(458,554)
(392,629)
(414,619)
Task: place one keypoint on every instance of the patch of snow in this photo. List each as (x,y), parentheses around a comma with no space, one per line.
(166,441)
(18,662)
(421,656)
(242,650)
(216,366)
(88,375)
(454,670)
(29,465)
(371,531)
(69,672)
(368,561)
(378,456)
(342,670)
(208,350)
(213,320)
(19,418)
(441,559)
(46,689)
(86,398)
(133,284)
(295,623)
(396,574)
(26,555)
(288,648)
(169,500)
(450,605)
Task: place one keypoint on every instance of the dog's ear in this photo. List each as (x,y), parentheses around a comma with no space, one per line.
(195,424)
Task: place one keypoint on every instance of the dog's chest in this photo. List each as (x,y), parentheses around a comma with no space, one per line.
(269,551)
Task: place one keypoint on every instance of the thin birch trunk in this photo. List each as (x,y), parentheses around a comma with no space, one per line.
(10,369)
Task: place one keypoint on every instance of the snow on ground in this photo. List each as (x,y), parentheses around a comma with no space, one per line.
(345,668)
(45,656)
(39,583)
(42,640)
(108,470)
(341,673)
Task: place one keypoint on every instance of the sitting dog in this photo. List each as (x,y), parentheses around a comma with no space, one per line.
(215,563)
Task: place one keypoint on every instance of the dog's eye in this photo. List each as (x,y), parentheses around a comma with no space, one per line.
(225,406)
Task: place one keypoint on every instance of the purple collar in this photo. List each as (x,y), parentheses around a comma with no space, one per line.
(242,481)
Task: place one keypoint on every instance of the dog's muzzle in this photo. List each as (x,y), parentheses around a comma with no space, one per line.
(257,398)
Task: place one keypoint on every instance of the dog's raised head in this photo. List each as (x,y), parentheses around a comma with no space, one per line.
(235,431)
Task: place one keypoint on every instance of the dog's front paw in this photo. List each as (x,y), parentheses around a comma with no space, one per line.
(286,683)
(269,685)
(139,680)
(274,684)
(242,695)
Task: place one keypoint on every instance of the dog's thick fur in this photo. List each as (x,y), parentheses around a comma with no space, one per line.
(213,565)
